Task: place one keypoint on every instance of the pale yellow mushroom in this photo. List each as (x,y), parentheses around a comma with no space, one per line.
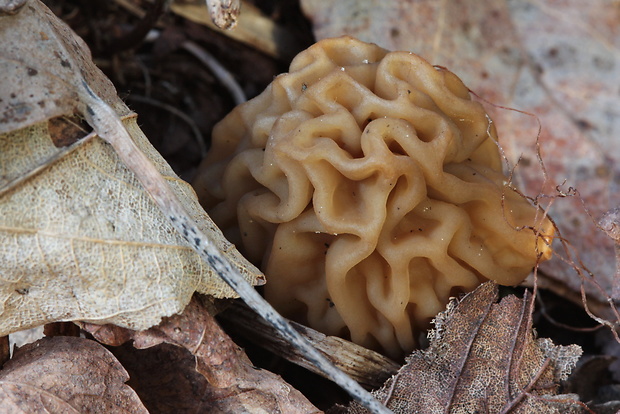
(369,188)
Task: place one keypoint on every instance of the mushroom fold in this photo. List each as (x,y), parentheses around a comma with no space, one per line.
(369,188)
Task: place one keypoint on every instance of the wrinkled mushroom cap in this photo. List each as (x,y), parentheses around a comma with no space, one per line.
(369,187)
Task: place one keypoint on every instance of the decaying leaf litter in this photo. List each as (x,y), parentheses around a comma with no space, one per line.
(223,41)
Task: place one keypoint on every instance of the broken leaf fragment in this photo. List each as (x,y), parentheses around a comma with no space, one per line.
(483,357)
(80,238)
(69,375)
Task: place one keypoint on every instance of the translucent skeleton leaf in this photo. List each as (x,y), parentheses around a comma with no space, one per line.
(483,357)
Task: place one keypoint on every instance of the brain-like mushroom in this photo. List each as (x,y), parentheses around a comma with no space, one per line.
(369,188)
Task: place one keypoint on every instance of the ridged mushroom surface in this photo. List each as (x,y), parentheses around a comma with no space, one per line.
(369,188)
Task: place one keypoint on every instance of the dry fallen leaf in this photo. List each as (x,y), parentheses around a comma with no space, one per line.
(559,60)
(234,384)
(68,375)
(483,357)
(80,238)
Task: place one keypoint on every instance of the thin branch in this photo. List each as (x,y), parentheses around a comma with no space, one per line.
(220,72)
(190,122)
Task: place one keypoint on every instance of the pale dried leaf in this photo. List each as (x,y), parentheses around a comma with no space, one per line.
(483,358)
(69,375)
(80,239)
(559,61)
(233,382)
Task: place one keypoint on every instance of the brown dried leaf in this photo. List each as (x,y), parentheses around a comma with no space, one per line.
(483,358)
(234,384)
(69,375)
(559,61)
(80,238)
(166,380)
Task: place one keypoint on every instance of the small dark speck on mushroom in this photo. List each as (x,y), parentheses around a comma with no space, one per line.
(331,304)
